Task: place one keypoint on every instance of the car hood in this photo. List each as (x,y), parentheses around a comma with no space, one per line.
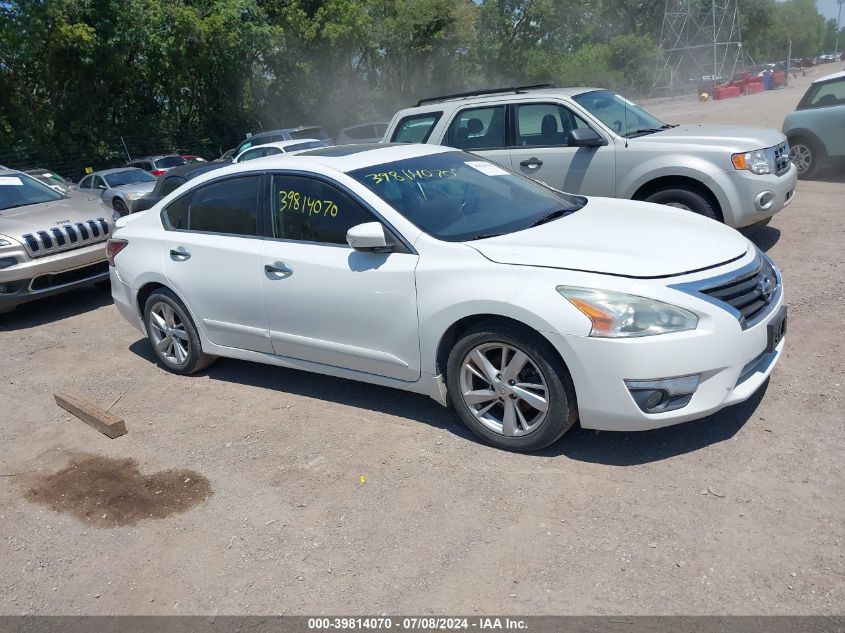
(135,187)
(44,216)
(731,138)
(620,237)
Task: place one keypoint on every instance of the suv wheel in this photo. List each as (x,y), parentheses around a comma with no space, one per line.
(684,198)
(174,337)
(805,157)
(508,386)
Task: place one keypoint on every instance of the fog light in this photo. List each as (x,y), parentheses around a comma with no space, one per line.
(665,394)
(4,288)
(764,200)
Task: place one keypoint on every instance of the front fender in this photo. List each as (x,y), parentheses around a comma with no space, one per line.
(638,173)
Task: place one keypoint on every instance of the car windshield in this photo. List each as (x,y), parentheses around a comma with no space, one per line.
(170,161)
(457,197)
(128,177)
(17,190)
(619,114)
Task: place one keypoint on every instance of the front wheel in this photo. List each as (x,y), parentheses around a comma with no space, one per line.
(120,207)
(684,198)
(805,157)
(173,335)
(509,387)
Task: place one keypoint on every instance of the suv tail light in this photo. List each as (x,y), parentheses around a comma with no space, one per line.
(158,172)
(113,247)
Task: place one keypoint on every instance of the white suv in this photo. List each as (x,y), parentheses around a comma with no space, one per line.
(597,143)
(432,270)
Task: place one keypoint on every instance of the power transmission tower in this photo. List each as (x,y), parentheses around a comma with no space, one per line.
(700,42)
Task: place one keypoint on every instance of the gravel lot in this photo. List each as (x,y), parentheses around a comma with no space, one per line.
(240,490)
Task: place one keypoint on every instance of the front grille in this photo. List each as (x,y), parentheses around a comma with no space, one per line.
(781,158)
(66,237)
(750,293)
(51,280)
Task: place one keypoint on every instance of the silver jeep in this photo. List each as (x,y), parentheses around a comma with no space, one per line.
(595,142)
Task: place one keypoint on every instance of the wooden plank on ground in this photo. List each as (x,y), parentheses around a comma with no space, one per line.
(91,414)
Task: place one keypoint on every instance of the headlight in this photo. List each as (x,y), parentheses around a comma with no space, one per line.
(134,195)
(615,314)
(760,161)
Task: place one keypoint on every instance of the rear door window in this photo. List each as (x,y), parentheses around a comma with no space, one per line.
(416,128)
(477,128)
(228,206)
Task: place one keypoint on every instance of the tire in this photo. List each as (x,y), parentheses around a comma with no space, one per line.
(530,428)
(805,156)
(684,198)
(120,207)
(176,346)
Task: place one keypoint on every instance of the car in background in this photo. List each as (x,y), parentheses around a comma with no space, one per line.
(227,156)
(363,133)
(592,141)
(51,179)
(283,134)
(172,180)
(816,129)
(191,158)
(118,188)
(157,165)
(49,242)
(438,272)
(280,147)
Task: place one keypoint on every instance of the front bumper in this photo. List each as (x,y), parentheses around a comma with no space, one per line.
(33,279)
(731,363)
(739,193)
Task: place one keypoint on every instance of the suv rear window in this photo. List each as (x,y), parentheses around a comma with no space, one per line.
(170,161)
(415,128)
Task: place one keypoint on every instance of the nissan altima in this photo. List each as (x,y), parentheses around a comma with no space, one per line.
(435,271)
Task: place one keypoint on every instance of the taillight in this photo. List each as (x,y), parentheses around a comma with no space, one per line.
(113,247)
(158,172)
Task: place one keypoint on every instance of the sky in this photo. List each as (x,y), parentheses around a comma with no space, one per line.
(830,9)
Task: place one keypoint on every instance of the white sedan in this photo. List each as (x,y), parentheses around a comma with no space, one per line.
(431,270)
(279,147)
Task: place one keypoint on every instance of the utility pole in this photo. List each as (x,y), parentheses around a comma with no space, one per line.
(788,63)
(838,27)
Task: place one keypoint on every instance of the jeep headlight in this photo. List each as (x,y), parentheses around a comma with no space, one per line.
(760,161)
(615,314)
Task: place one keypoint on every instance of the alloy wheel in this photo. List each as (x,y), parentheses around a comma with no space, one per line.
(169,336)
(801,156)
(504,388)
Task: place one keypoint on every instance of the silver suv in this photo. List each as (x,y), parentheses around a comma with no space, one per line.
(595,142)
(49,242)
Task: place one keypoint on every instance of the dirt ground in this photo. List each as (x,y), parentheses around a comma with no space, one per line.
(255,489)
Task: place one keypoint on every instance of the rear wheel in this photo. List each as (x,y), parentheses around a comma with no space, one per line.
(684,198)
(805,156)
(508,386)
(172,333)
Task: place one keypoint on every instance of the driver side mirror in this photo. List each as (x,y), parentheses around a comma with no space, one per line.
(584,137)
(368,237)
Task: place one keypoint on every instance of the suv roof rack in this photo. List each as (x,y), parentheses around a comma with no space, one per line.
(489,91)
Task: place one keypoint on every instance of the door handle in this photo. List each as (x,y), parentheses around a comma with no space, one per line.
(531,163)
(278,268)
(179,254)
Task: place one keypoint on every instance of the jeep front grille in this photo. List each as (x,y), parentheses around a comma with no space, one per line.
(66,237)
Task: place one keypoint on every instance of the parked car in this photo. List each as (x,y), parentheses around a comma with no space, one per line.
(191,158)
(280,147)
(362,133)
(816,129)
(50,178)
(283,134)
(120,188)
(595,142)
(171,181)
(157,165)
(49,242)
(227,156)
(436,271)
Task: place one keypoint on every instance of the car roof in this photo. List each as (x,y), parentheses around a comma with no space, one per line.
(282,130)
(352,127)
(283,144)
(113,170)
(180,170)
(838,75)
(155,157)
(346,158)
(506,94)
